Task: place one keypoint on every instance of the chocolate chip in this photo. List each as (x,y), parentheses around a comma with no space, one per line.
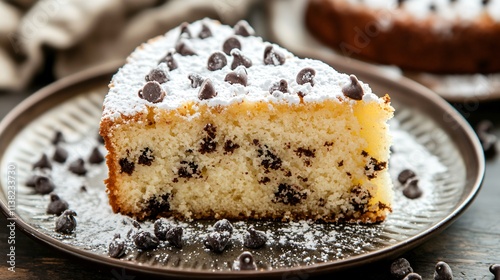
(146,157)
(413,276)
(216,61)
(58,138)
(158,75)
(158,204)
(57,205)
(43,162)
(281,86)
(207,90)
(31,181)
(188,169)
(244,29)
(485,2)
(432,7)
(126,166)
(196,80)
(400,2)
(306,75)
(184,31)
(246,262)
(66,223)
(60,154)
(145,240)
(239,59)
(238,76)
(170,61)
(78,167)
(305,152)
(100,139)
(254,239)
(117,247)
(161,227)
(183,48)
(495,269)
(400,268)
(411,189)
(289,195)
(208,143)
(443,271)
(95,156)
(205,32)
(44,185)
(354,89)
(223,225)
(273,56)
(152,92)
(217,241)
(230,146)
(83,188)
(269,159)
(174,236)
(405,175)
(230,44)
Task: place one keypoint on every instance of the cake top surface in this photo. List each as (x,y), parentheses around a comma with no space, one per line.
(273,77)
(452,10)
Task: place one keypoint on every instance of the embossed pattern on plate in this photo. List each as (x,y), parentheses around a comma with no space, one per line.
(449,176)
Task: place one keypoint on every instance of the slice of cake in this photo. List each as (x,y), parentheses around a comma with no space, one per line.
(209,121)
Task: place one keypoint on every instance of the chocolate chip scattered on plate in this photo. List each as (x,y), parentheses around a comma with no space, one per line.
(145,240)
(60,154)
(43,162)
(44,185)
(254,239)
(96,156)
(117,247)
(411,189)
(66,223)
(78,167)
(57,205)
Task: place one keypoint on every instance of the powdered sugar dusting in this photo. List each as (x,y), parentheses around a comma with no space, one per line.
(123,98)
(288,245)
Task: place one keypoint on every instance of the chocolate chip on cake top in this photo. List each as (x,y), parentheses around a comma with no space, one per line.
(214,57)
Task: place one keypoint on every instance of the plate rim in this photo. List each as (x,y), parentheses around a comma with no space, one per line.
(57,88)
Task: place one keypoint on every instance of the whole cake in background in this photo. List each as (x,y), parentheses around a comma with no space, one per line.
(210,121)
(435,36)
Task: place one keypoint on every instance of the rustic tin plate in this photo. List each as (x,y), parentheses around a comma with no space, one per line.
(287,27)
(430,137)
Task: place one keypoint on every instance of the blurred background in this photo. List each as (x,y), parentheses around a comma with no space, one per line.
(42,41)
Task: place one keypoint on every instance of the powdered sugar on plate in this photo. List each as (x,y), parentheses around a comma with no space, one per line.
(289,244)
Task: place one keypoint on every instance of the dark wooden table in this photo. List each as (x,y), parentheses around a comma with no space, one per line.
(469,246)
